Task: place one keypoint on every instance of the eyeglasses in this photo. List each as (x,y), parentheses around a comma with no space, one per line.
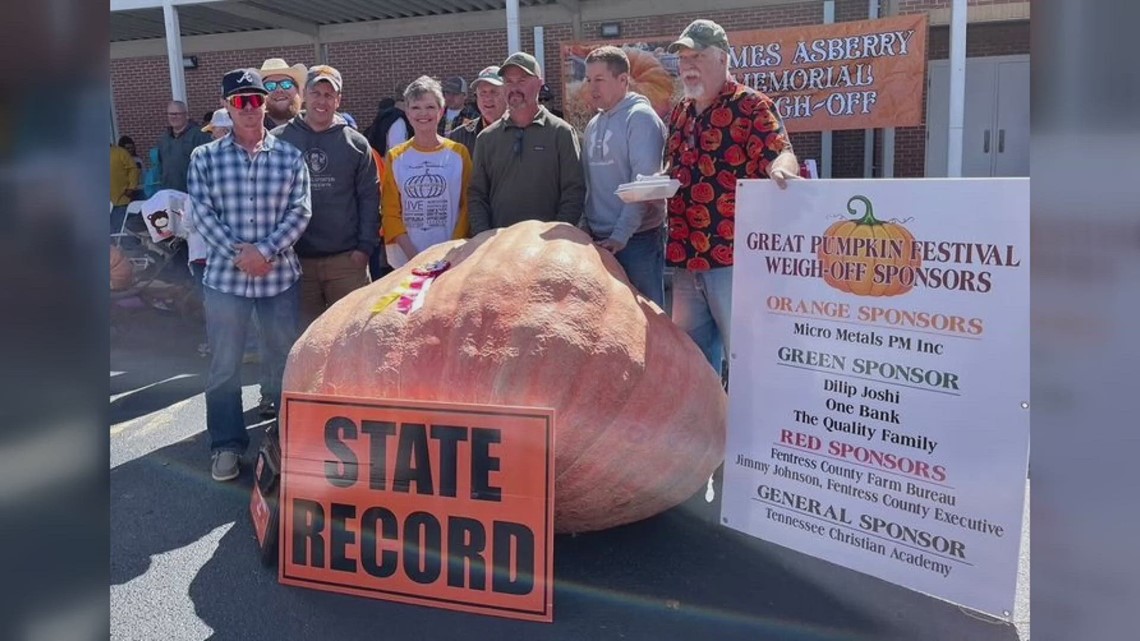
(273,85)
(518,143)
(243,100)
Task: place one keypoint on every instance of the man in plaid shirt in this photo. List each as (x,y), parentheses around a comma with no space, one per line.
(250,192)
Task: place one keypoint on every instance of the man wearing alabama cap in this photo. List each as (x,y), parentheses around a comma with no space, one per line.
(285,85)
(492,104)
(721,131)
(250,193)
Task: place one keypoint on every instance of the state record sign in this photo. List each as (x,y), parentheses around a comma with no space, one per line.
(436,504)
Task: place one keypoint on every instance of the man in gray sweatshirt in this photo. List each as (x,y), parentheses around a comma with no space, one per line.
(345,226)
(625,138)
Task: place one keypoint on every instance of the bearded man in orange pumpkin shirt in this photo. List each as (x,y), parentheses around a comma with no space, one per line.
(721,131)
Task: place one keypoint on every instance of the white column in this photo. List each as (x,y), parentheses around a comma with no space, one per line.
(888,166)
(174,51)
(825,137)
(869,134)
(513,40)
(114,117)
(957,87)
(540,48)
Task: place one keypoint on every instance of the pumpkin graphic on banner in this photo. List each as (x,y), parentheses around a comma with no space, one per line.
(426,185)
(873,244)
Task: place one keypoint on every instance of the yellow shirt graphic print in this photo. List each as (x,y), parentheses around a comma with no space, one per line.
(424,195)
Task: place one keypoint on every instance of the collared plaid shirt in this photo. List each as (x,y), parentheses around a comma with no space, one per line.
(263,200)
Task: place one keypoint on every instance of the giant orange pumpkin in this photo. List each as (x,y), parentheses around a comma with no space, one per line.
(535,315)
(882,248)
(646,76)
(649,78)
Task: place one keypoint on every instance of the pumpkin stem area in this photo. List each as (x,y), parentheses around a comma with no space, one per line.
(869,217)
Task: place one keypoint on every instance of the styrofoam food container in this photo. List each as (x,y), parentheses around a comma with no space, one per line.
(657,188)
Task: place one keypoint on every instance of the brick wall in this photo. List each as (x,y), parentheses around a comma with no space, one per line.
(375,69)
(141,88)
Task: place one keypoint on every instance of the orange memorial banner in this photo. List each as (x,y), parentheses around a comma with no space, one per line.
(435,504)
(847,75)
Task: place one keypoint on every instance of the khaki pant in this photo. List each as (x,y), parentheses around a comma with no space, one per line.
(326,280)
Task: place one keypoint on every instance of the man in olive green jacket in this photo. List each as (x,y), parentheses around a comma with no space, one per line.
(527,164)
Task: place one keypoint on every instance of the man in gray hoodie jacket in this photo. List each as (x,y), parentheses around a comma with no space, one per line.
(345,226)
(625,138)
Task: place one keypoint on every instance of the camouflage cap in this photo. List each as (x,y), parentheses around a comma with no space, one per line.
(489,75)
(701,34)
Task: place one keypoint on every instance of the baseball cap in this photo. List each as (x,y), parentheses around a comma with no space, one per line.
(522,60)
(489,75)
(701,34)
(318,73)
(242,81)
(221,118)
(454,84)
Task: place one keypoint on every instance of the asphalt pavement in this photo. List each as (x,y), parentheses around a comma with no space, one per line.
(184,562)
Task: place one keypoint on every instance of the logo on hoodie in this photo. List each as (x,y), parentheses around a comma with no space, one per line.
(600,147)
(317,160)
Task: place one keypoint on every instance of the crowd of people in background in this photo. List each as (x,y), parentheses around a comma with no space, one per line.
(297,208)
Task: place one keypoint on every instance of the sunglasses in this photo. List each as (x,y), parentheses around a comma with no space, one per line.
(243,100)
(273,85)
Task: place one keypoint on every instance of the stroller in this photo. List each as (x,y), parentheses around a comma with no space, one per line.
(148,254)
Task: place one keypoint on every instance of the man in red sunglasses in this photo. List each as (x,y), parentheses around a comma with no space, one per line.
(251,198)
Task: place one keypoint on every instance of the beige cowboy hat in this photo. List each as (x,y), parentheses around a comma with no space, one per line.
(278,67)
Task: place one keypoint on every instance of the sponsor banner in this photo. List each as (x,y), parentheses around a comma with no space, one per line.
(435,504)
(822,77)
(878,403)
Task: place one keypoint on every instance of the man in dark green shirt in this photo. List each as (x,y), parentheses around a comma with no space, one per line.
(176,143)
(527,164)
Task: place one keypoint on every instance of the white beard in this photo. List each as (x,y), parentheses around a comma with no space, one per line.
(694,92)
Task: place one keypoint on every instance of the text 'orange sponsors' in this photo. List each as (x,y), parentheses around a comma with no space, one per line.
(434,504)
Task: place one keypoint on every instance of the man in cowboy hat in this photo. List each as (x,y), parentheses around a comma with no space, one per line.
(285,84)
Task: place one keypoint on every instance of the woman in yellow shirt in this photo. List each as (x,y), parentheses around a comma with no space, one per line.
(424,187)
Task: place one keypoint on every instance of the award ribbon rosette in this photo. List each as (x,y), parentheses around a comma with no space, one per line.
(409,295)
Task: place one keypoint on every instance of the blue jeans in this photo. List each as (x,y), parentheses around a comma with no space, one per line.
(702,306)
(643,259)
(228,318)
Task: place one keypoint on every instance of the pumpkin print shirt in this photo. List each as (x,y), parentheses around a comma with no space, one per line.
(736,137)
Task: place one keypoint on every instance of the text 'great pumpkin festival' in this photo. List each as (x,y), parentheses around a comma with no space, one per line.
(869,257)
